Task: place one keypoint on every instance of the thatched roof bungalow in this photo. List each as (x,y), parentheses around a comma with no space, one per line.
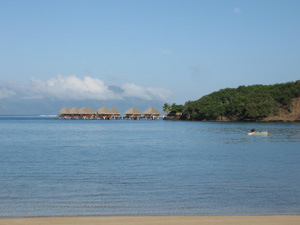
(103,112)
(152,113)
(64,111)
(83,111)
(133,113)
(86,112)
(90,111)
(74,111)
(114,111)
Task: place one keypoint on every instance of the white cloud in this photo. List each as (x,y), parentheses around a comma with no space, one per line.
(149,93)
(5,93)
(72,88)
(237,10)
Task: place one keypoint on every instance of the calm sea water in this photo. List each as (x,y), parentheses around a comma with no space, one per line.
(54,167)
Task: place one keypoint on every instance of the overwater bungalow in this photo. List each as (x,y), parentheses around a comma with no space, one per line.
(74,112)
(82,112)
(103,113)
(86,113)
(90,113)
(65,112)
(115,113)
(133,113)
(106,114)
(152,113)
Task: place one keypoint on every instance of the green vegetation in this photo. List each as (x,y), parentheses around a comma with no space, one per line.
(243,103)
(166,108)
(173,109)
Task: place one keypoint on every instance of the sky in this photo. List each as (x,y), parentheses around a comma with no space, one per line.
(158,50)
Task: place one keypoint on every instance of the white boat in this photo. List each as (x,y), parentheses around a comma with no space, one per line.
(263,133)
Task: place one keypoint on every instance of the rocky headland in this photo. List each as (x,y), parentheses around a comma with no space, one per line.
(256,103)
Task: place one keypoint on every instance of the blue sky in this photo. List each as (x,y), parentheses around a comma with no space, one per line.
(172,50)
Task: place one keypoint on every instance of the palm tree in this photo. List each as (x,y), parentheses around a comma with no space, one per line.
(166,108)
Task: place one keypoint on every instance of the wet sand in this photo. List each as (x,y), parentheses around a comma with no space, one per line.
(158,220)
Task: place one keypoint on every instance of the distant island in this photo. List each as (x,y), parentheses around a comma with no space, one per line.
(269,103)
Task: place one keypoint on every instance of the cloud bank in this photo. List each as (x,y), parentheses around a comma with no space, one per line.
(74,88)
(5,93)
(150,93)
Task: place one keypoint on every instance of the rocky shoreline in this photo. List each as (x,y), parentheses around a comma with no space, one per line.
(265,120)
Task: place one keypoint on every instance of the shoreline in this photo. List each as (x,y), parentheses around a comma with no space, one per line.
(156,220)
(236,121)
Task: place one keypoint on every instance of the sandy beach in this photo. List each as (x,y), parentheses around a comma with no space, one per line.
(158,220)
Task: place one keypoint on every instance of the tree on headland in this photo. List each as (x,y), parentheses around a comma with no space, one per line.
(253,102)
(172,109)
(176,108)
(166,108)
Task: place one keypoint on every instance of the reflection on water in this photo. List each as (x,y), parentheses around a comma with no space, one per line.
(54,167)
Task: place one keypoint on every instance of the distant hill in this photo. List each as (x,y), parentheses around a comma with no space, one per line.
(278,102)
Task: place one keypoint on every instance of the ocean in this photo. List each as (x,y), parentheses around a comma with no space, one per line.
(51,167)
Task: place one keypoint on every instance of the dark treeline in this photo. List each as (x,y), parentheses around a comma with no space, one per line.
(243,103)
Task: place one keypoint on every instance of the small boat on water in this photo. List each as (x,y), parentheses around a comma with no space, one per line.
(254,133)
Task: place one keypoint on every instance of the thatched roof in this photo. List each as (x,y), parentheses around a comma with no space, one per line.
(74,110)
(90,111)
(83,110)
(114,111)
(103,110)
(64,110)
(152,111)
(133,110)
